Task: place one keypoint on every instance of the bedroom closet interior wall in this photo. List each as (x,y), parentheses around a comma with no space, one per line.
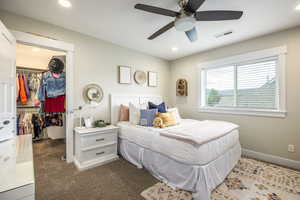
(31,64)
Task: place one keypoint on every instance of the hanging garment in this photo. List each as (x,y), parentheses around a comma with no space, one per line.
(55,105)
(18,121)
(54,120)
(26,86)
(52,86)
(17,87)
(23,97)
(34,81)
(37,126)
(28,126)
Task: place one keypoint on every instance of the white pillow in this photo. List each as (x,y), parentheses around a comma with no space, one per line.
(135,113)
(177,115)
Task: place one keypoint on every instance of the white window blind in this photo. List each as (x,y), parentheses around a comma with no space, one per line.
(256,84)
(247,85)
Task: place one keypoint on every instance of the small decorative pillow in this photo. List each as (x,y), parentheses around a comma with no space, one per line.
(124,113)
(147,117)
(168,119)
(161,107)
(158,123)
(135,113)
(175,112)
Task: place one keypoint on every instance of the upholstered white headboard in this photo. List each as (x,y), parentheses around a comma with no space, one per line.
(117,100)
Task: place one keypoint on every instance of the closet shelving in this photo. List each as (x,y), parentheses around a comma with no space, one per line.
(30,107)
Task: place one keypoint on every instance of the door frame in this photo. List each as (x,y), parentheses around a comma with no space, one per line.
(68,48)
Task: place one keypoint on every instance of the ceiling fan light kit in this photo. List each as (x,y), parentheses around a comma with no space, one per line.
(186,18)
(184,23)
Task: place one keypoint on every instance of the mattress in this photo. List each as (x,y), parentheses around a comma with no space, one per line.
(188,153)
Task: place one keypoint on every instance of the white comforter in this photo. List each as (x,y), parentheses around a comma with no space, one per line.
(185,152)
(200,132)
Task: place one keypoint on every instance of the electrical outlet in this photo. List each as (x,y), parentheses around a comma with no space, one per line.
(291,148)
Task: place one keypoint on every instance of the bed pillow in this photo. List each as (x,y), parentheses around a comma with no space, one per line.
(147,117)
(135,113)
(124,113)
(176,114)
(161,107)
(168,119)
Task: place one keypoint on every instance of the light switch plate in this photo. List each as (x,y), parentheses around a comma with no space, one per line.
(291,148)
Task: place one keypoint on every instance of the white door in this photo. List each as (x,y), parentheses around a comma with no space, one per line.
(7,73)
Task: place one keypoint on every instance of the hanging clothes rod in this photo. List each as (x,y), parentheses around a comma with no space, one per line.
(28,111)
(19,68)
(28,107)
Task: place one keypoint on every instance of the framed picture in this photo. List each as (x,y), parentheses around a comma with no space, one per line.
(152,79)
(124,75)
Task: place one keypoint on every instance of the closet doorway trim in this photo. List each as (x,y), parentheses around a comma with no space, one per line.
(42,42)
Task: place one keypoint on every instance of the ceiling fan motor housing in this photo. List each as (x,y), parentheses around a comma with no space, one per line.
(182,3)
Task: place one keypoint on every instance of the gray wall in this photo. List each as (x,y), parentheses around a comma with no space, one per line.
(261,134)
(97,61)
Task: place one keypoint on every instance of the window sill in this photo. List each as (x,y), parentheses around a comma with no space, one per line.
(252,112)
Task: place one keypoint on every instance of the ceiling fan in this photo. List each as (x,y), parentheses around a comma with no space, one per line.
(186,18)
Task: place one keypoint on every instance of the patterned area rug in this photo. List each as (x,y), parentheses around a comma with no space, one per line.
(249,180)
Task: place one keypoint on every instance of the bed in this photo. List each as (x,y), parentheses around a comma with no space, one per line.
(198,168)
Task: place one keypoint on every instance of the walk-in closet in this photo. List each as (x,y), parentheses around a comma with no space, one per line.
(40,96)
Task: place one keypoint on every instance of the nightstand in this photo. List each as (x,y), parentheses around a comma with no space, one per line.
(95,146)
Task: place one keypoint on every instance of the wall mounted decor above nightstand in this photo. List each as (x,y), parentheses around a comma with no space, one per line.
(181,87)
(92,93)
(152,79)
(124,75)
(140,77)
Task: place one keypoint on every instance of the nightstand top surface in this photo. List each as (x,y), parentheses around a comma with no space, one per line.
(92,130)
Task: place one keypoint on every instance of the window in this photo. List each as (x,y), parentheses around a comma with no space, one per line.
(251,84)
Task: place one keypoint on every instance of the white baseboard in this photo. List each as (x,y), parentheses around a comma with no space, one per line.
(272,159)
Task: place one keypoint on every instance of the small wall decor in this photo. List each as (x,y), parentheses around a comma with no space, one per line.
(152,79)
(140,77)
(92,93)
(181,87)
(124,75)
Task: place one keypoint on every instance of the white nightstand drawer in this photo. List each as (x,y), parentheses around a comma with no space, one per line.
(98,139)
(98,152)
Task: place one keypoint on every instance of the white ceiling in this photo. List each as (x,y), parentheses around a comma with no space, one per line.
(118,22)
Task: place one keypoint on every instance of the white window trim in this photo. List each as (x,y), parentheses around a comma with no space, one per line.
(280,71)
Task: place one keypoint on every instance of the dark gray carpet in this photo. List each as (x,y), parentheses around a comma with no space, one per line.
(57,180)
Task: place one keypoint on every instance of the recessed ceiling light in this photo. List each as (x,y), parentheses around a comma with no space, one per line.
(35,49)
(65,3)
(298,7)
(174,49)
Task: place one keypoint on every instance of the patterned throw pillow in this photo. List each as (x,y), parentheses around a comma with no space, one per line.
(135,113)
(161,107)
(168,118)
(147,117)
(124,113)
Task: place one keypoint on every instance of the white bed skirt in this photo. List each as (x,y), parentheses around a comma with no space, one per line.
(199,179)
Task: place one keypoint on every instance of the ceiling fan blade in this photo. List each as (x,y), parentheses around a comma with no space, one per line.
(161,31)
(218,15)
(192,34)
(156,10)
(193,5)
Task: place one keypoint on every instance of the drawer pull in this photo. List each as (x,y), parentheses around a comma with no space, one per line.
(100,153)
(98,140)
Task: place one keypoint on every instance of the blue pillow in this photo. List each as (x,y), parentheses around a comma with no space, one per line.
(161,107)
(147,117)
